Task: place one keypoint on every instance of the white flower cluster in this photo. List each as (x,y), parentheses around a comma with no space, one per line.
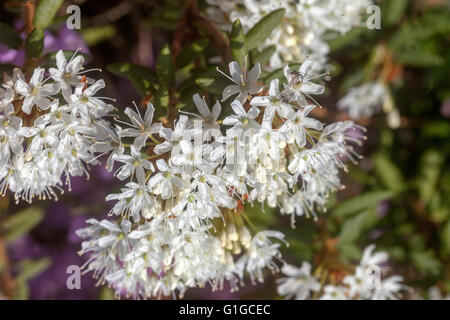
(363,101)
(434,293)
(366,283)
(305,27)
(181,221)
(48,128)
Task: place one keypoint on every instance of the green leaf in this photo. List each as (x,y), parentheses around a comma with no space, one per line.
(45,12)
(106,294)
(430,169)
(237,42)
(213,85)
(142,78)
(34,44)
(393,11)
(419,58)
(445,237)
(95,35)
(31,268)
(350,38)
(262,30)
(164,66)
(28,270)
(22,222)
(388,173)
(349,251)
(353,227)
(426,262)
(361,202)
(162,99)
(264,56)
(9,36)
(191,52)
(185,98)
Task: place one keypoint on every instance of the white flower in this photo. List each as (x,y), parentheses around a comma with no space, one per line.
(134,200)
(173,138)
(209,117)
(373,259)
(363,101)
(166,180)
(60,141)
(261,252)
(389,289)
(133,164)
(297,124)
(241,120)
(10,137)
(334,293)
(299,282)
(36,92)
(299,82)
(244,83)
(67,73)
(43,135)
(87,103)
(434,293)
(110,143)
(142,128)
(274,102)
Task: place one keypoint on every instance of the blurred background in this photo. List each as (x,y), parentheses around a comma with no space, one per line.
(398,197)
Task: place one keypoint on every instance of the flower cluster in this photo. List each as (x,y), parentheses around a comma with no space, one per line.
(363,101)
(365,283)
(367,99)
(49,127)
(304,29)
(181,221)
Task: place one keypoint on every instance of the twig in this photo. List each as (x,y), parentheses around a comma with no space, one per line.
(179,31)
(220,42)
(28,8)
(7,282)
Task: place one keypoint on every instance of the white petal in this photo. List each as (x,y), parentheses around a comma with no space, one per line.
(236,72)
(238,108)
(254,73)
(229,91)
(201,105)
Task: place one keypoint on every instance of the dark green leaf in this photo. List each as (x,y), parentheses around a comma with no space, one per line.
(430,169)
(164,66)
(264,56)
(34,44)
(262,30)
(95,35)
(361,202)
(22,222)
(237,42)
(31,268)
(388,172)
(426,261)
(393,11)
(213,85)
(45,12)
(142,78)
(191,52)
(353,227)
(9,36)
